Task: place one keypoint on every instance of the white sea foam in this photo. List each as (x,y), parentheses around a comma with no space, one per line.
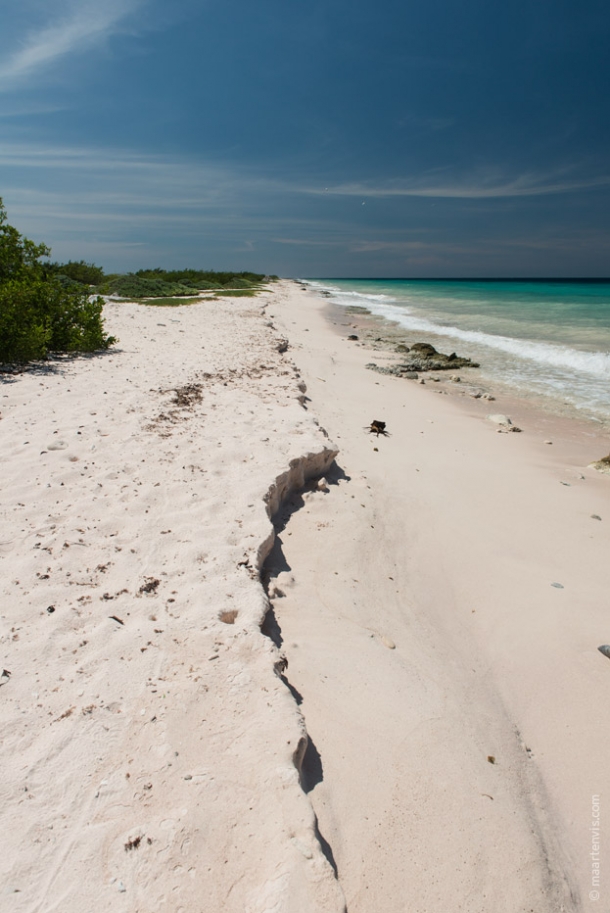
(563,373)
(597,364)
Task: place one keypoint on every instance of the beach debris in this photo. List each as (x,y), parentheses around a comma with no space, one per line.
(280,665)
(50,609)
(150,586)
(605,649)
(117,619)
(388,642)
(377,427)
(491,758)
(558,586)
(602,465)
(595,517)
(228,616)
(133,843)
(187,396)
(567,484)
(548,442)
(505,423)
(282,345)
(4,677)
(352,336)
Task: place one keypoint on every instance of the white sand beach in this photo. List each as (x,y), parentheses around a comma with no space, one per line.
(437,739)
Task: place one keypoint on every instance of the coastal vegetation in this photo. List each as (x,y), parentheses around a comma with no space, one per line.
(43,310)
(49,307)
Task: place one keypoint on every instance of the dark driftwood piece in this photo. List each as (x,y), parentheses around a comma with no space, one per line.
(377,427)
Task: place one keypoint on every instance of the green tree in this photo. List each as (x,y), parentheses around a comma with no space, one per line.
(85,273)
(38,313)
(18,255)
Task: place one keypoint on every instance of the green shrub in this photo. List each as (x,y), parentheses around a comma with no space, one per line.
(81,272)
(169,302)
(202,279)
(140,287)
(38,317)
(39,313)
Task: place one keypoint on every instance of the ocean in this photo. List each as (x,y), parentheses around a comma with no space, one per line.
(547,340)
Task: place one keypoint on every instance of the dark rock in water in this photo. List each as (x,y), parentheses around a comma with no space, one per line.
(424,357)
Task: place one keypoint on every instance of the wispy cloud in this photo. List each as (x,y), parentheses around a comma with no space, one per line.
(78,25)
(469,188)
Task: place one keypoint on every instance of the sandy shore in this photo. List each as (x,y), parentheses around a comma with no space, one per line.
(147,744)
(453,697)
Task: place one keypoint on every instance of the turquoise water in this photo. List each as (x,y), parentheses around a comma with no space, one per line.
(547,339)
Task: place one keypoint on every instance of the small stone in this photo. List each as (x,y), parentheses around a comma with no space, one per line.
(595,517)
(188,777)
(558,586)
(548,442)
(388,642)
(499,419)
(605,649)
(121,887)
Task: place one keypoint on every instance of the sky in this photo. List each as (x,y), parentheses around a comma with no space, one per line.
(327,138)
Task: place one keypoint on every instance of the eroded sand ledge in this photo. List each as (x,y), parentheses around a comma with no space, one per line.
(452,692)
(148,756)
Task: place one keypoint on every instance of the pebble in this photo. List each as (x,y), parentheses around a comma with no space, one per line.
(558,586)
(121,887)
(595,517)
(605,649)
(388,642)
(548,442)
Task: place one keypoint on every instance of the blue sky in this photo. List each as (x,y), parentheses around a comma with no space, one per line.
(318,138)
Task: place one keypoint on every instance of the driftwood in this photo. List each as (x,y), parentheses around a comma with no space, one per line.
(377,427)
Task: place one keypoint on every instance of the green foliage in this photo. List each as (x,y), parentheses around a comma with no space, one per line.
(169,302)
(81,272)
(203,279)
(143,287)
(18,255)
(40,316)
(39,313)
(237,293)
